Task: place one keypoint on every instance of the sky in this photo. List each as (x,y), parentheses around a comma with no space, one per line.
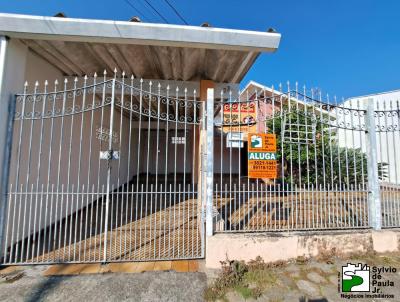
(344,47)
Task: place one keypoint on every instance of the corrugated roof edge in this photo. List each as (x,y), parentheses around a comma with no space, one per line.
(125,32)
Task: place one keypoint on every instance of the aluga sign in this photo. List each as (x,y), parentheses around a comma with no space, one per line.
(262,156)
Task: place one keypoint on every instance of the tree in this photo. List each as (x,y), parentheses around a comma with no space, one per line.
(308,151)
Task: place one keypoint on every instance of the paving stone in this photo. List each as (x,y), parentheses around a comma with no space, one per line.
(308,288)
(331,293)
(233,296)
(325,267)
(122,267)
(162,265)
(333,279)
(292,296)
(181,266)
(193,266)
(9,269)
(292,268)
(316,278)
(144,267)
(273,294)
(294,275)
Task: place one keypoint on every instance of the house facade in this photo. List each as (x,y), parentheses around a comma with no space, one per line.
(104,134)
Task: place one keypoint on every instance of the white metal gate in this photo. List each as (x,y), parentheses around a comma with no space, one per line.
(103,169)
(337,163)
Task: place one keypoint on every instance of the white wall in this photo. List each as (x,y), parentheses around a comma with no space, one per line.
(388,142)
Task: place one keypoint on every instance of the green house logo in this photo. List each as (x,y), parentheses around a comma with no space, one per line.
(256,141)
(355,278)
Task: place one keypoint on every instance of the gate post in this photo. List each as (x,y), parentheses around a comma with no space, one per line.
(374,198)
(209,161)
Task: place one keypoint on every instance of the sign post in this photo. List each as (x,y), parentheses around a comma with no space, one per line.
(261,154)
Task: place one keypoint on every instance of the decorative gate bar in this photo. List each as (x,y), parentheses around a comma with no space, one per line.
(327,155)
(104,169)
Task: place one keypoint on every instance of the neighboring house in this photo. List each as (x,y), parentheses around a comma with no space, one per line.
(386,105)
(259,104)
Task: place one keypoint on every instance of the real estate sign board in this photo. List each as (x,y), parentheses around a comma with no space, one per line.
(240,117)
(261,154)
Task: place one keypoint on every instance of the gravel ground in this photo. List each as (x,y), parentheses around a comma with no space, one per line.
(30,285)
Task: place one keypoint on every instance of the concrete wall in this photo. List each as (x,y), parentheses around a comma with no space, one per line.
(287,246)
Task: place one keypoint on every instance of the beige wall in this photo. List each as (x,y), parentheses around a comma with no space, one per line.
(288,246)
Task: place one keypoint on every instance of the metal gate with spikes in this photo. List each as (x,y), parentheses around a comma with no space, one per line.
(104,169)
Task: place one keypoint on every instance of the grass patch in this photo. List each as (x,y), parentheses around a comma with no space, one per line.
(247,279)
(262,278)
(244,291)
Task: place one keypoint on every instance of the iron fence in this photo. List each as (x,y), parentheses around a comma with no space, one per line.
(327,152)
(122,169)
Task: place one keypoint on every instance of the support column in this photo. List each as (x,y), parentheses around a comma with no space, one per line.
(12,72)
(3,140)
(198,130)
(199,152)
(374,198)
(209,161)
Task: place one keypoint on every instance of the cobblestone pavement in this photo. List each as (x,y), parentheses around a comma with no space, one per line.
(319,281)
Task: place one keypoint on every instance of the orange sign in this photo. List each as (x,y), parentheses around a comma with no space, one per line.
(240,118)
(261,152)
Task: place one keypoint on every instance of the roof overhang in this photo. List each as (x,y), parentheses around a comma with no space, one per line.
(122,32)
(234,51)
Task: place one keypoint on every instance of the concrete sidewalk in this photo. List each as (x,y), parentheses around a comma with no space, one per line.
(29,284)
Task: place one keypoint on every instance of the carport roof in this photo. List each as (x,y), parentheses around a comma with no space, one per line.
(157,51)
